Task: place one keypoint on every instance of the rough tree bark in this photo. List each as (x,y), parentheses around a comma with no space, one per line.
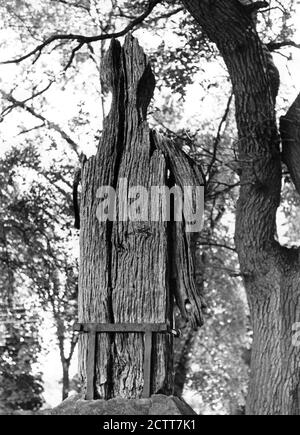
(271,272)
(126,267)
(183,347)
(183,359)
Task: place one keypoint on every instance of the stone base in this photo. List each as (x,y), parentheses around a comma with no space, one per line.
(156,405)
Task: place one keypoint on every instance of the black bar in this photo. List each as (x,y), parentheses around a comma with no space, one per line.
(90,372)
(121,327)
(147,364)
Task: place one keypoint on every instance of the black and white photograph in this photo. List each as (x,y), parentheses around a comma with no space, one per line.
(149,210)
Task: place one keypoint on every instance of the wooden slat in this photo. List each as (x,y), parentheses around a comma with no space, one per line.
(121,327)
(95,328)
(147,364)
(90,389)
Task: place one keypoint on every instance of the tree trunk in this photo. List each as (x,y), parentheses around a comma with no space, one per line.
(271,272)
(65,380)
(182,366)
(183,347)
(126,264)
(275,375)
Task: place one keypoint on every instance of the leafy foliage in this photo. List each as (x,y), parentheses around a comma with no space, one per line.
(38,242)
(21,387)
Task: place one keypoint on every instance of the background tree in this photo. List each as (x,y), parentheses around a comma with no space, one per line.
(263,260)
(21,383)
(20,344)
(37,221)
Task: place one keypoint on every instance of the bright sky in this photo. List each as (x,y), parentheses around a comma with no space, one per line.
(64,105)
(51,366)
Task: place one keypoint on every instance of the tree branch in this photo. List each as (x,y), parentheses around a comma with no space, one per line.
(217,245)
(273,46)
(72,4)
(46,122)
(7,110)
(81,39)
(74,341)
(218,137)
(73,54)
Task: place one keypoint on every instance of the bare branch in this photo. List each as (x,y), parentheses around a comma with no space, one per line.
(217,245)
(41,92)
(218,137)
(215,194)
(72,4)
(167,14)
(46,122)
(65,192)
(31,32)
(73,54)
(29,130)
(273,46)
(81,39)
(155,19)
(7,110)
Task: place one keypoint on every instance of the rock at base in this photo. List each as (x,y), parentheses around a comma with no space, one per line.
(156,405)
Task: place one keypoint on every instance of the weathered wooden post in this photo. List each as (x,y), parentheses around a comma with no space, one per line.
(132,268)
